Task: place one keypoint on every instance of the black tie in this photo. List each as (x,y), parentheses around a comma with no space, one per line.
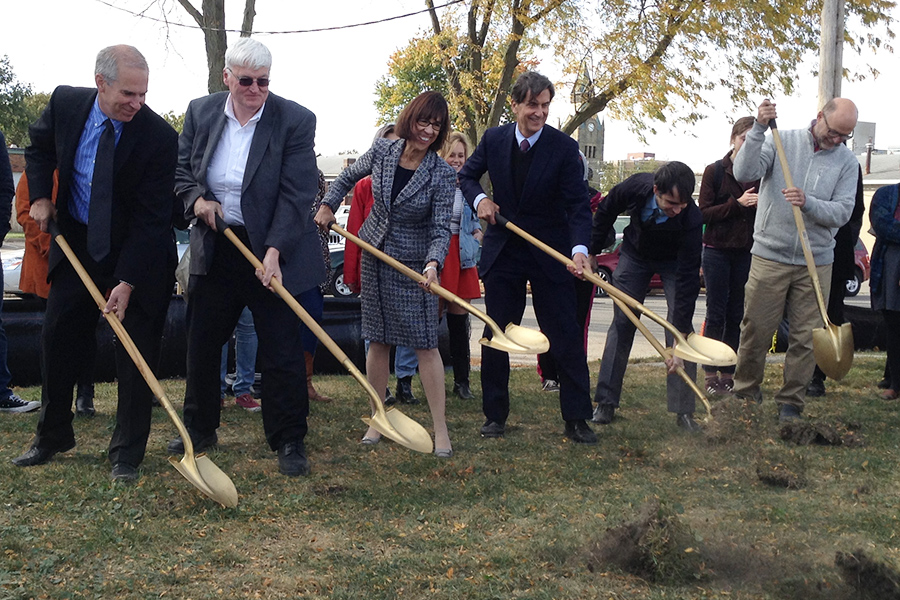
(100,208)
(525,145)
(654,215)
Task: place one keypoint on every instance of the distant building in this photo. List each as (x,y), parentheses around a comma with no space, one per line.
(862,135)
(589,136)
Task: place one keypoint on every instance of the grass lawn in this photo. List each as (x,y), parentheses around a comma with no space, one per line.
(517,517)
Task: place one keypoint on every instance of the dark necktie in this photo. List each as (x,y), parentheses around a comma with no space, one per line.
(100,208)
(524,146)
(653,216)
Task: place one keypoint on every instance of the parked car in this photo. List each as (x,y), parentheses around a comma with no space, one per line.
(860,271)
(336,242)
(608,259)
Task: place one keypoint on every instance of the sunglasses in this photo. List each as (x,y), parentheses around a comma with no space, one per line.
(248,81)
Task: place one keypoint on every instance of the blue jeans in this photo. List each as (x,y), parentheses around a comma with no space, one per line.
(312,302)
(5,376)
(245,346)
(725,273)
(405,360)
(632,276)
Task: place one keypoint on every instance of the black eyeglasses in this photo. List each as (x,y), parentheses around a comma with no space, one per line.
(424,123)
(248,81)
(836,134)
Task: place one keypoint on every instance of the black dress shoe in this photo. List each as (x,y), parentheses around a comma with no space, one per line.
(84,406)
(123,472)
(580,432)
(461,389)
(38,456)
(389,399)
(789,412)
(816,388)
(686,421)
(292,459)
(404,391)
(604,414)
(493,429)
(176,446)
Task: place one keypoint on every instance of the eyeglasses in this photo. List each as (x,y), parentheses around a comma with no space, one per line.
(248,81)
(836,134)
(435,125)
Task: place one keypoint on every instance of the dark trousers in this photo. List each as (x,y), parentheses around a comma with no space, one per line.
(725,274)
(632,276)
(892,366)
(554,306)
(215,302)
(584,300)
(70,323)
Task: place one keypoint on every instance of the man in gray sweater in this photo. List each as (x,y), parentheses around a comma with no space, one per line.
(825,173)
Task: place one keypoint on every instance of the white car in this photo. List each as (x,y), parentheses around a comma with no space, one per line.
(12,267)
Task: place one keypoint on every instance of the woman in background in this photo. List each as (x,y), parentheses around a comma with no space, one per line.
(459,274)
(885,276)
(729,209)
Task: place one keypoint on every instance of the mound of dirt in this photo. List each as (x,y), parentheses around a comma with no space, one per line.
(805,433)
(872,579)
(781,469)
(733,419)
(657,546)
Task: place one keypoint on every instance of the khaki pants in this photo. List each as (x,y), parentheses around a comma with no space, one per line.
(771,288)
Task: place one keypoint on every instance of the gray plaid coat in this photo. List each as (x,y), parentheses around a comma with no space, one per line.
(414,229)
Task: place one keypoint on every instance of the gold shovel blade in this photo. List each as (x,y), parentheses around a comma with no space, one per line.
(405,431)
(706,351)
(833,349)
(204,475)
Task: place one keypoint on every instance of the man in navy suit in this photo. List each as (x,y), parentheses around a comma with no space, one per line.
(122,236)
(536,175)
(246,156)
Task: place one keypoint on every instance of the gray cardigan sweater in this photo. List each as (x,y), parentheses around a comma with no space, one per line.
(827,177)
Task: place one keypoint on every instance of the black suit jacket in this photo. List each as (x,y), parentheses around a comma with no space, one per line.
(554,206)
(142,244)
(280,184)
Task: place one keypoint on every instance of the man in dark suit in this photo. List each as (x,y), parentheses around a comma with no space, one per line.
(247,156)
(537,181)
(664,237)
(116,161)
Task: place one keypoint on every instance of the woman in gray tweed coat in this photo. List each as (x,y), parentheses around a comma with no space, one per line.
(413,192)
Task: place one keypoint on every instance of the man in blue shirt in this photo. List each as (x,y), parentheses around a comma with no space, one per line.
(664,237)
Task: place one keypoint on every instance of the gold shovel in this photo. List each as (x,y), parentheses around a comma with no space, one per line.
(390,423)
(199,470)
(694,348)
(515,339)
(832,345)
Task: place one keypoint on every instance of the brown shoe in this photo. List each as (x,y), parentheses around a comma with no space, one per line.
(889,394)
(310,390)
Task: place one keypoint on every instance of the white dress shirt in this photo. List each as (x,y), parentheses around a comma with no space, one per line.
(225,174)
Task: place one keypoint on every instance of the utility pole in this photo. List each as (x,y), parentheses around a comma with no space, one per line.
(831,68)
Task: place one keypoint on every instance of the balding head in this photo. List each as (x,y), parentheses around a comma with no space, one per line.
(836,122)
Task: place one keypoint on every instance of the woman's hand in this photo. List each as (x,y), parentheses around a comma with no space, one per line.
(431,276)
(749,198)
(324,217)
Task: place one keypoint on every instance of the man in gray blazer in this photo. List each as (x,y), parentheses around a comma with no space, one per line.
(247,157)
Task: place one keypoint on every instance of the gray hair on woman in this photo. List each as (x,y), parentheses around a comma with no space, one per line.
(384,131)
(110,58)
(248,53)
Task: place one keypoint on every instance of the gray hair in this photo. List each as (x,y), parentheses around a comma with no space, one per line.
(112,57)
(248,53)
(384,131)
(530,81)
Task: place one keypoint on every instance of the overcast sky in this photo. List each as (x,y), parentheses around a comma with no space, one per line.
(52,42)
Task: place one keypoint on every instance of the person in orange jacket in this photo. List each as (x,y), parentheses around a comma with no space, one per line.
(33,280)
